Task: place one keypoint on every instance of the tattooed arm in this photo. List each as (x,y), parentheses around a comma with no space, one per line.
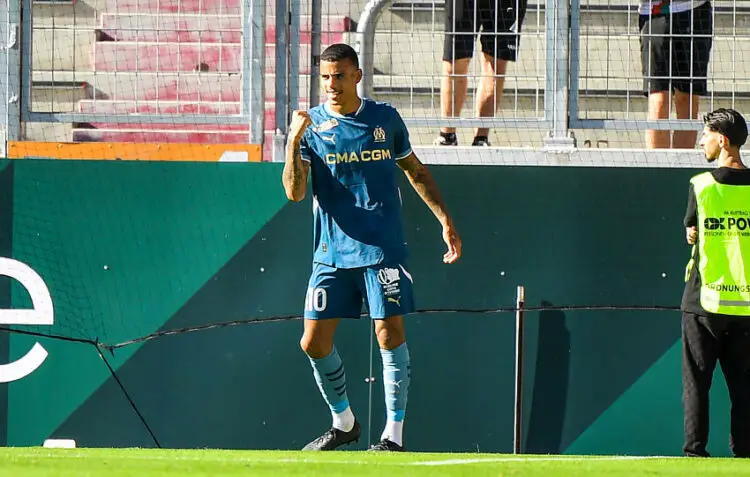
(422,181)
(296,170)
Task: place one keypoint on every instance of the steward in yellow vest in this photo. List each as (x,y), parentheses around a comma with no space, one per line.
(723,242)
(716,300)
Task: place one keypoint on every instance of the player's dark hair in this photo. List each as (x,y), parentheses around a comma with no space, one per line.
(339,52)
(729,123)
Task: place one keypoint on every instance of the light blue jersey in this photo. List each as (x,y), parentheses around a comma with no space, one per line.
(356,200)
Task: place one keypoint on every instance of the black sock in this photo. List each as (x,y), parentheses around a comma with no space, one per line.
(450,137)
(479,138)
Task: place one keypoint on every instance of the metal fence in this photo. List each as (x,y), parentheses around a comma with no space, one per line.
(580,64)
(233,70)
(137,66)
(607,77)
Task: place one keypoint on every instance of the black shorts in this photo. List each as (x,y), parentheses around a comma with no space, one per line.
(671,58)
(499,21)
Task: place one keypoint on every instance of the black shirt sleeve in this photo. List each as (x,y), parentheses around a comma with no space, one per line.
(691,216)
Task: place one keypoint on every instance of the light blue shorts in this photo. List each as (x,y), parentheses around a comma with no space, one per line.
(340,292)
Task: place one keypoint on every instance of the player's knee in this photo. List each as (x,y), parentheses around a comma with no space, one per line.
(390,337)
(308,345)
(314,347)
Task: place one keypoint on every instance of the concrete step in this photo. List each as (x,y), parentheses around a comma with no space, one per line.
(211,87)
(206,28)
(160,135)
(81,13)
(146,108)
(57,96)
(350,8)
(225,7)
(63,132)
(157,107)
(124,88)
(600,56)
(166,57)
(508,137)
(151,27)
(146,126)
(142,86)
(48,132)
(62,49)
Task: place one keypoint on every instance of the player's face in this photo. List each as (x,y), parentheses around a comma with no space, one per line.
(340,80)
(711,142)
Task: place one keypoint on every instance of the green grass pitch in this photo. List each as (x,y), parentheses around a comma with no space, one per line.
(39,462)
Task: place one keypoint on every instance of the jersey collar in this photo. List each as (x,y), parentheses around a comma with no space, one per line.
(337,115)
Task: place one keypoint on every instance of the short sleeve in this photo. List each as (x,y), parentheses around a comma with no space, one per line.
(305,151)
(401,143)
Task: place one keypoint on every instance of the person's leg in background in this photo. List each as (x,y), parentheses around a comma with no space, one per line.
(656,67)
(453,87)
(501,27)
(658,108)
(691,53)
(686,107)
(489,94)
(460,34)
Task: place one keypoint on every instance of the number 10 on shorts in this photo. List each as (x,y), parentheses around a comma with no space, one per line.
(316,299)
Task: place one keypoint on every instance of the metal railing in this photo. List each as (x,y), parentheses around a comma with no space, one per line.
(607,91)
(124,79)
(592,78)
(411,81)
(577,70)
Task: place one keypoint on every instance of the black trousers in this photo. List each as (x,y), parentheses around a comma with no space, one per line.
(704,341)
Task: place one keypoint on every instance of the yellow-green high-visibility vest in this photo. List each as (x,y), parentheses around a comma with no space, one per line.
(724,245)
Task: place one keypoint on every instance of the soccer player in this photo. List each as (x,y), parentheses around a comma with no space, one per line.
(352,146)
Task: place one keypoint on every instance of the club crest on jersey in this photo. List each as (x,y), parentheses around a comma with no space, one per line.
(326,125)
(379,134)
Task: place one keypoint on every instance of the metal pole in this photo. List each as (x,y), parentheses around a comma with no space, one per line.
(557,15)
(370,380)
(575,59)
(294,68)
(281,74)
(366,44)
(518,413)
(315,30)
(254,66)
(10,72)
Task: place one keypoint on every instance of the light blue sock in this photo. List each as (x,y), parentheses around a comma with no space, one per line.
(331,379)
(396,377)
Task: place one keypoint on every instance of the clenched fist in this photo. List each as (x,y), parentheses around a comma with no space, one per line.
(300,121)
